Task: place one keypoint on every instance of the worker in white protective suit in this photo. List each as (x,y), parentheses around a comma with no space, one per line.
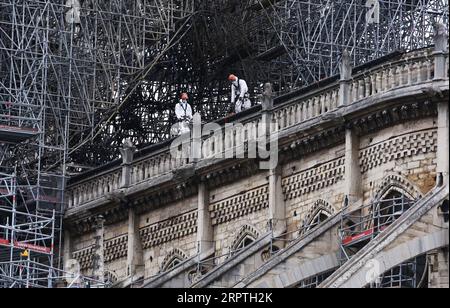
(184,114)
(73,14)
(240,98)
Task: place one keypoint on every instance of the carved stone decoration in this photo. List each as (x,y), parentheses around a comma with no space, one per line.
(127,151)
(320,206)
(313,179)
(392,116)
(169,230)
(84,257)
(397,148)
(110,278)
(246,231)
(239,205)
(174,257)
(116,248)
(398,183)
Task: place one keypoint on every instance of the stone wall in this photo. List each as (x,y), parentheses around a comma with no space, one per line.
(312,183)
(168,229)
(438,269)
(406,152)
(342,144)
(238,209)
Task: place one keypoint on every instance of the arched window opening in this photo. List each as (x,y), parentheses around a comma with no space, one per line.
(318,219)
(174,262)
(245,242)
(318,214)
(390,208)
(362,225)
(412,274)
(246,236)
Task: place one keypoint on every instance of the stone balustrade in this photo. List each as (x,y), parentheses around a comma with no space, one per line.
(410,69)
(413,68)
(155,166)
(309,107)
(94,188)
(233,137)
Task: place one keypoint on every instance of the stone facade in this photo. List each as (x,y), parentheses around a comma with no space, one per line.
(438,269)
(342,146)
(407,150)
(312,180)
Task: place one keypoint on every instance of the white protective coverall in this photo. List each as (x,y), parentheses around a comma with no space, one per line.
(239,97)
(184,114)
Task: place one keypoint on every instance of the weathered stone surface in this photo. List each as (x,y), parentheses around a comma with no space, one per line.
(345,145)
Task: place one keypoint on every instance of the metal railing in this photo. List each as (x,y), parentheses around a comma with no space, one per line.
(364,224)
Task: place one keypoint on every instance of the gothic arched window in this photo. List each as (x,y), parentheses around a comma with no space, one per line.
(318,214)
(172,260)
(246,236)
(245,242)
(393,205)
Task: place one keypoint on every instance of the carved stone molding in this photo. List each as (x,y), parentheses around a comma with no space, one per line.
(245,231)
(174,254)
(116,248)
(399,183)
(313,179)
(84,257)
(169,230)
(398,148)
(240,205)
(318,206)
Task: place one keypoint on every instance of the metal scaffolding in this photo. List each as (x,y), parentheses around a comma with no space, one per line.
(314,33)
(290,43)
(65,67)
(360,227)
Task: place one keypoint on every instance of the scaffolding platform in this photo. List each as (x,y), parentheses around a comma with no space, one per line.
(25,246)
(364,236)
(360,227)
(14,134)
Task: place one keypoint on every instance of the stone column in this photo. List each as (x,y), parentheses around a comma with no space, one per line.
(346,76)
(440,52)
(205,232)
(67,252)
(99,255)
(353,188)
(440,73)
(277,206)
(127,152)
(443,142)
(196,147)
(438,270)
(135,258)
(267,106)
